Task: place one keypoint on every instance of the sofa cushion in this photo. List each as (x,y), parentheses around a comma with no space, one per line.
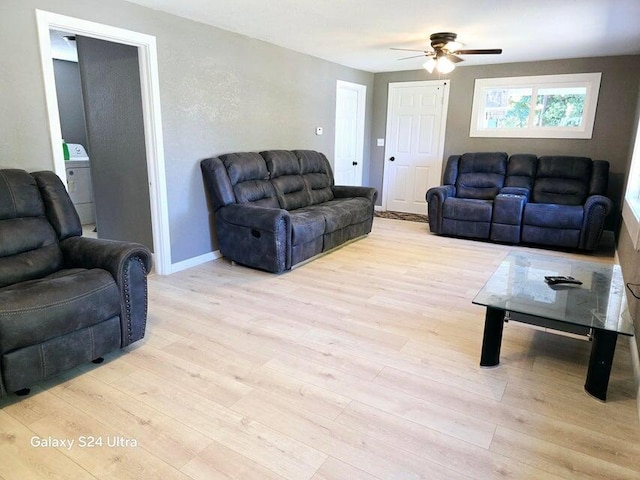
(284,168)
(553,215)
(467,209)
(249,179)
(340,213)
(562,180)
(481,175)
(521,171)
(317,175)
(306,224)
(69,300)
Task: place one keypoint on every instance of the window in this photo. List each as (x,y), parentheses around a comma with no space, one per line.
(548,106)
(631,207)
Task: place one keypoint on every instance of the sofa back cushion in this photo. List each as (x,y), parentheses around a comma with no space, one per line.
(563,180)
(317,174)
(521,171)
(28,242)
(481,175)
(249,179)
(286,178)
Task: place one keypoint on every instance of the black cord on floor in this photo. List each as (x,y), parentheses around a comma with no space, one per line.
(635,293)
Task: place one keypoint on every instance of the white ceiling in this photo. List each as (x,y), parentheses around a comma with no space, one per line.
(358,33)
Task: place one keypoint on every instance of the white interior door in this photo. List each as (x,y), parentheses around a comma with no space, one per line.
(416,118)
(349,146)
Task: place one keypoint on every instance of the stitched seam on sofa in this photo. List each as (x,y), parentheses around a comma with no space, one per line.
(93,344)
(10,190)
(55,304)
(43,364)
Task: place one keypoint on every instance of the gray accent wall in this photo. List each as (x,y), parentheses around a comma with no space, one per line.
(220,92)
(613,127)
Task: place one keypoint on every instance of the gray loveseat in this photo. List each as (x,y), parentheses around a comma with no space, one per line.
(557,201)
(64,299)
(277,208)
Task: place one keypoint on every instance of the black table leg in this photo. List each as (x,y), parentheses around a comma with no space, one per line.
(492,337)
(602,350)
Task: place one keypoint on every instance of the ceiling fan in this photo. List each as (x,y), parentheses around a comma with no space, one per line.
(445,52)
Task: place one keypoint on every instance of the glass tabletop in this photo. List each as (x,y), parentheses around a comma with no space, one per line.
(518,285)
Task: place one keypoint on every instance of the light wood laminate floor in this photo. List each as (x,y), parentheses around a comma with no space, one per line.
(362,364)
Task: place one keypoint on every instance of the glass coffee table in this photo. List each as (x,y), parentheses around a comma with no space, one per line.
(517,291)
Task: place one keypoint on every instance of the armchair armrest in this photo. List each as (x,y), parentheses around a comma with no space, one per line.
(435,200)
(596,209)
(129,264)
(258,237)
(344,191)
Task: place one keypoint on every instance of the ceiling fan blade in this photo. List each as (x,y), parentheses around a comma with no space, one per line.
(486,51)
(455,58)
(414,56)
(408,49)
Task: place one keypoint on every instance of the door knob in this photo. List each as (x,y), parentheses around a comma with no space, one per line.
(354,163)
(392,159)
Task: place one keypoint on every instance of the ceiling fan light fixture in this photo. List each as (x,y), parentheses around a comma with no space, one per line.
(430,64)
(445,65)
(453,46)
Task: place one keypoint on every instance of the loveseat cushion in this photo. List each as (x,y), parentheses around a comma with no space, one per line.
(35,311)
(249,179)
(317,174)
(562,180)
(467,209)
(553,215)
(481,175)
(284,169)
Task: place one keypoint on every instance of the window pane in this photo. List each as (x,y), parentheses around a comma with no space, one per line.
(506,107)
(560,107)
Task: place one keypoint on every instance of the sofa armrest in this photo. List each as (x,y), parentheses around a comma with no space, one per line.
(525,192)
(347,191)
(258,237)
(129,264)
(596,209)
(435,200)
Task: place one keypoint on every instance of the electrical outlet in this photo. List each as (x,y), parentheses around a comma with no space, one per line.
(319,131)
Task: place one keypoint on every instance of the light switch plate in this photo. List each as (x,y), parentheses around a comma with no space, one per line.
(381,142)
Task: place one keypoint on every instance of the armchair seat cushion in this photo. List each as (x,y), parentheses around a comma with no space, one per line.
(553,215)
(467,209)
(35,311)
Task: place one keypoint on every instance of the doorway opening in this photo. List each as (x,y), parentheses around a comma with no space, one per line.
(152,124)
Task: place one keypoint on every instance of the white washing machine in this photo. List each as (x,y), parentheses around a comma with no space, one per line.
(79,185)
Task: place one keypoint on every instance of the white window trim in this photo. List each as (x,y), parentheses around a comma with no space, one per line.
(631,205)
(589,80)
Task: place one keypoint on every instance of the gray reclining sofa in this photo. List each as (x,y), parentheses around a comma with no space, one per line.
(275,209)
(557,201)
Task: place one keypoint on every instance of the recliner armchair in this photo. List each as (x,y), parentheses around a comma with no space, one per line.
(64,299)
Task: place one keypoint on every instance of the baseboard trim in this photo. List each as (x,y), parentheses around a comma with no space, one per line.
(378,208)
(195,261)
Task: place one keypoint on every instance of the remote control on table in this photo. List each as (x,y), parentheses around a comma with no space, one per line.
(561,279)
